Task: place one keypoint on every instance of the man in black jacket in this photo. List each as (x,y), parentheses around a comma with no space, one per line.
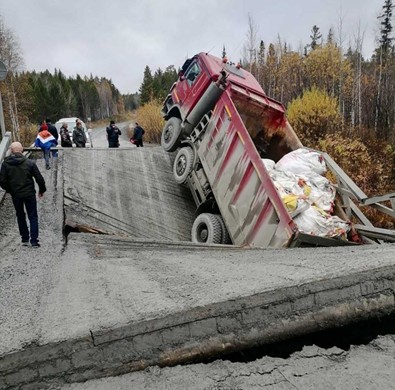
(138,135)
(54,131)
(16,177)
(113,134)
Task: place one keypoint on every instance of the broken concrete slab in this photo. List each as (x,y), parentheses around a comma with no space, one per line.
(117,305)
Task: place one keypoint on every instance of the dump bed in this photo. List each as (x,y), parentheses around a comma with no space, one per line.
(244,127)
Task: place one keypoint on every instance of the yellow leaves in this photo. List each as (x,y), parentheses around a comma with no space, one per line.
(151,120)
(314,115)
(356,160)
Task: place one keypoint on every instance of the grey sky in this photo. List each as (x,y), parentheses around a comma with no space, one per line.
(117,38)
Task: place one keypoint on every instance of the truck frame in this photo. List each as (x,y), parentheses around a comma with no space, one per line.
(223,124)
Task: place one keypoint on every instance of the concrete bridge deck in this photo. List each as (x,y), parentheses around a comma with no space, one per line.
(105,305)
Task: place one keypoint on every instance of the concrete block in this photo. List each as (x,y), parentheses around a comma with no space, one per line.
(330,297)
(22,376)
(372,287)
(176,335)
(54,367)
(303,304)
(229,323)
(87,358)
(144,344)
(120,351)
(265,315)
(203,328)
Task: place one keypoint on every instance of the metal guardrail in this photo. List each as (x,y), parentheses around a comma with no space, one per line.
(4,145)
(350,193)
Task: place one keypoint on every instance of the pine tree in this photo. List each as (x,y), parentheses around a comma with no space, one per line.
(315,37)
(386,29)
(223,52)
(146,88)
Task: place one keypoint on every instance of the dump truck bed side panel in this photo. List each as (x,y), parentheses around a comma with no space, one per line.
(248,201)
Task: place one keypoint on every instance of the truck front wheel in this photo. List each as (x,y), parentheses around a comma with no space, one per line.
(206,229)
(171,134)
(183,164)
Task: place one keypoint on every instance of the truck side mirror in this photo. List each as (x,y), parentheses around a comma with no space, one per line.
(181,75)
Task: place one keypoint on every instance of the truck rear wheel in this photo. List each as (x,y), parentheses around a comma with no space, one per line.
(225,237)
(170,138)
(206,229)
(183,164)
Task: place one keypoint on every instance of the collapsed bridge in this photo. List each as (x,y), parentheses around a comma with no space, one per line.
(139,294)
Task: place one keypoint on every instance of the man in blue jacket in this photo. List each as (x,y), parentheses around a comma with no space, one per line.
(17,175)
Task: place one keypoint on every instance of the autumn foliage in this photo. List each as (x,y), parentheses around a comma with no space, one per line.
(150,118)
(314,115)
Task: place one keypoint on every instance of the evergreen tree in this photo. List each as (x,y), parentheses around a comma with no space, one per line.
(330,37)
(315,37)
(146,88)
(223,52)
(386,29)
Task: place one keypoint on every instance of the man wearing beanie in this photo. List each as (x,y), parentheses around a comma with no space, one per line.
(113,134)
(45,140)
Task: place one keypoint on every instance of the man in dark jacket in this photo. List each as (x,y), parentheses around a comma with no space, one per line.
(138,135)
(54,131)
(113,134)
(79,136)
(16,177)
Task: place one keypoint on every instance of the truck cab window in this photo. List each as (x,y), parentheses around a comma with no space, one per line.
(192,73)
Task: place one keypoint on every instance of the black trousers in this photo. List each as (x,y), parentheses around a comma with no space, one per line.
(30,204)
(139,142)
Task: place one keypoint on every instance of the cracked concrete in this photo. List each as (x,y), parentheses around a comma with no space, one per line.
(362,367)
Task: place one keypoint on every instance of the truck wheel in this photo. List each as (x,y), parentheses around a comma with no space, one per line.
(225,237)
(183,164)
(206,229)
(171,134)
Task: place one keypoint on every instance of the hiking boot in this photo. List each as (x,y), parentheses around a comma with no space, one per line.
(48,167)
(25,243)
(35,245)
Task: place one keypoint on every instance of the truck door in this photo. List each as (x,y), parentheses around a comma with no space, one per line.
(191,86)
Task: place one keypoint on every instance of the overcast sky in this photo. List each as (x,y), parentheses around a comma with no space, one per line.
(116,39)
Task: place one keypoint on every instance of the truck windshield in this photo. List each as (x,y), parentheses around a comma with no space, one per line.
(192,73)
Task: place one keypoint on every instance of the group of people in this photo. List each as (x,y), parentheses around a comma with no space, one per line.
(47,138)
(113,133)
(18,174)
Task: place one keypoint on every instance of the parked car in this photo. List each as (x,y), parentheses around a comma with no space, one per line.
(71,123)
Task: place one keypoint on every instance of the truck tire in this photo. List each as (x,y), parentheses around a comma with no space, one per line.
(225,237)
(170,138)
(183,164)
(206,229)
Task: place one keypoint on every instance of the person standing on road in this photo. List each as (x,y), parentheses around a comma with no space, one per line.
(65,139)
(17,175)
(113,134)
(53,130)
(79,136)
(138,135)
(45,141)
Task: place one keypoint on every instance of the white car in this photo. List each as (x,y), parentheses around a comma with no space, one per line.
(71,123)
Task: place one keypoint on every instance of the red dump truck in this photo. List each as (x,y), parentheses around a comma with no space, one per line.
(222,124)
